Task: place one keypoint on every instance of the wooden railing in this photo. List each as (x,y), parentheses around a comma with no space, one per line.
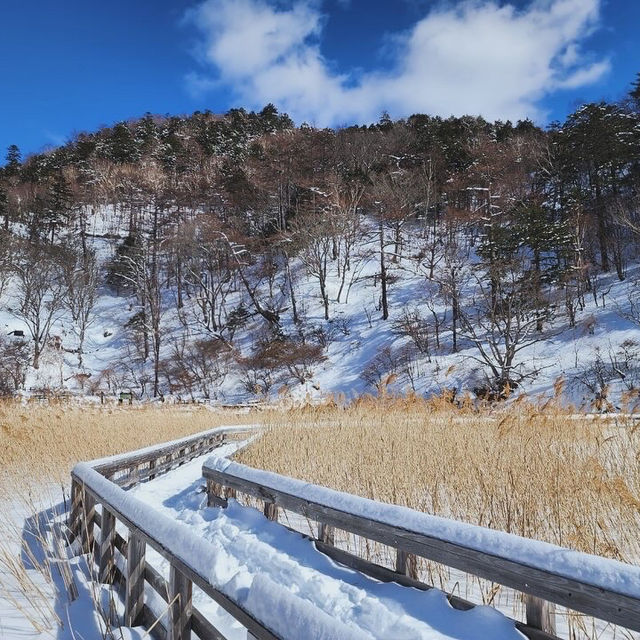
(121,561)
(546,574)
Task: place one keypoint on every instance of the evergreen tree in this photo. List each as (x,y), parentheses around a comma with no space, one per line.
(121,269)
(147,137)
(13,161)
(59,204)
(123,148)
(599,144)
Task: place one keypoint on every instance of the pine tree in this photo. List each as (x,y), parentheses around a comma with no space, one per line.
(13,161)
(599,144)
(121,270)
(123,148)
(59,203)
(147,135)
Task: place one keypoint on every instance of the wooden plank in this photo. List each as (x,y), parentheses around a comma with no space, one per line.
(107,540)
(388,575)
(203,628)
(610,606)
(271,511)
(200,625)
(326,533)
(407,563)
(134,599)
(151,621)
(180,605)
(214,495)
(75,513)
(158,452)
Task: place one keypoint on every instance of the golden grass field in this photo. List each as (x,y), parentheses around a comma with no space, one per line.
(41,443)
(536,471)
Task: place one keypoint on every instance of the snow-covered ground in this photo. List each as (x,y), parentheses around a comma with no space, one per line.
(603,341)
(34,603)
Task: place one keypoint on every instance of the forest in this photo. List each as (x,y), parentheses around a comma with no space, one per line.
(233,244)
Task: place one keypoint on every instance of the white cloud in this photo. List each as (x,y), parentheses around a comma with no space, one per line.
(477,56)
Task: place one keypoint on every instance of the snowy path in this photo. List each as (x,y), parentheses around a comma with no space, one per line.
(255,557)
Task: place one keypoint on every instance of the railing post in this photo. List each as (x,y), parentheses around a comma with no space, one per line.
(407,564)
(541,614)
(326,533)
(134,602)
(88,514)
(107,542)
(214,495)
(271,511)
(180,592)
(75,522)
(152,465)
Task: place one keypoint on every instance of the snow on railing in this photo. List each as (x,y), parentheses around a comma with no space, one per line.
(605,589)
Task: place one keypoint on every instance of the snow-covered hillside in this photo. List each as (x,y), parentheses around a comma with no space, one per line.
(354,351)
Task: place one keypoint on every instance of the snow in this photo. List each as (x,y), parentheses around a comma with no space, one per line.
(278,575)
(32,599)
(171,444)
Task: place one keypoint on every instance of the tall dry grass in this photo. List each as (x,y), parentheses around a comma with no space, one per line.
(43,442)
(534,470)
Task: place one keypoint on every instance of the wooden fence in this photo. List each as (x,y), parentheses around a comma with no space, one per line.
(121,561)
(507,562)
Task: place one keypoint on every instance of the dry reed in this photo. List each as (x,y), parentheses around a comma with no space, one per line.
(536,471)
(41,443)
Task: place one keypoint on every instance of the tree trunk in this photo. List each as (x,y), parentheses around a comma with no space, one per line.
(383,275)
(602,227)
(36,353)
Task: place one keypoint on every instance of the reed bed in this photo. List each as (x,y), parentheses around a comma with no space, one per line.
(41,443)
(534,470)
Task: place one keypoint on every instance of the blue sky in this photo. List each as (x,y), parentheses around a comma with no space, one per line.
(73,65)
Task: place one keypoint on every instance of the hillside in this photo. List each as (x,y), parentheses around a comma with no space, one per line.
(238,257)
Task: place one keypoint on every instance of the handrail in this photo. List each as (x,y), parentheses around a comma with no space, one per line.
(101,482)
(606,589)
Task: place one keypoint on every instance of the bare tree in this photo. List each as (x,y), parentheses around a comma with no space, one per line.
(501,322)
(40,296)
(315,233)
(81,278)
